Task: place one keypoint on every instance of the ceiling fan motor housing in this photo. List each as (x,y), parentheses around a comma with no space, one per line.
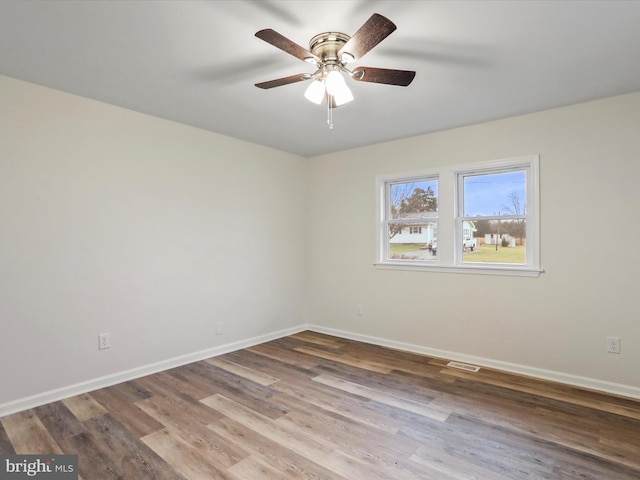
(326,45)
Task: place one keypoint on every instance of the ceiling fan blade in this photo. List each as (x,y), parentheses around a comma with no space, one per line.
(278,82)
(383,75)
(283,43)
(374,30)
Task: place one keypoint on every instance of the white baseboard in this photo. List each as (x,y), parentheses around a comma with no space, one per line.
(113,379)
(559,377)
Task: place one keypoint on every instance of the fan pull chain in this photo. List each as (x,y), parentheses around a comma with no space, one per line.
(329,112)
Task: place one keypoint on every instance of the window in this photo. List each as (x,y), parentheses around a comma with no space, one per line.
(410,219)
(486,214)
(493,215)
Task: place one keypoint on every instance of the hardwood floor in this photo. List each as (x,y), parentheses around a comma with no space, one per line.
(311,406)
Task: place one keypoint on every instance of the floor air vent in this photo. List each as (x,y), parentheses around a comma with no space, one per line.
(463,366)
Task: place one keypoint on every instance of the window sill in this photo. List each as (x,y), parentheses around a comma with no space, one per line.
(468,269)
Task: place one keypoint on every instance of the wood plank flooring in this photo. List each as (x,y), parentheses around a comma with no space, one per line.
(311,406)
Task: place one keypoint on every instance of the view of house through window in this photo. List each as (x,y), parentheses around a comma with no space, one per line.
(412,219)
(487,214)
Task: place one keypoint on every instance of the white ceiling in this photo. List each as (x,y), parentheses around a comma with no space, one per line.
(196,62)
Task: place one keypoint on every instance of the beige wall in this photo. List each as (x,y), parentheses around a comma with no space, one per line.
(589,175)
(114,221)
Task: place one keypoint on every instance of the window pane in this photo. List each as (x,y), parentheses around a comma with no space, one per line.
(501,242)
(415,199)
(495,194)
(412,242)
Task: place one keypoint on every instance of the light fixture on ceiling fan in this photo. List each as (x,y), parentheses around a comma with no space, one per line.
(331,52)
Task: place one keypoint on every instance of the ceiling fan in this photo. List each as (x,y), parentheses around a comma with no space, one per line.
(330,52)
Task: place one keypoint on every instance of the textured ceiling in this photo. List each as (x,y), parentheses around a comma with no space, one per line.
(196,62)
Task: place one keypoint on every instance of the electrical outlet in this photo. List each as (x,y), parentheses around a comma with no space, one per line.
(613,344)
(219,328)
(360,310)
(104,341)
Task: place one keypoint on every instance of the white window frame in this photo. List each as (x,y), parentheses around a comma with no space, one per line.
(449,223)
